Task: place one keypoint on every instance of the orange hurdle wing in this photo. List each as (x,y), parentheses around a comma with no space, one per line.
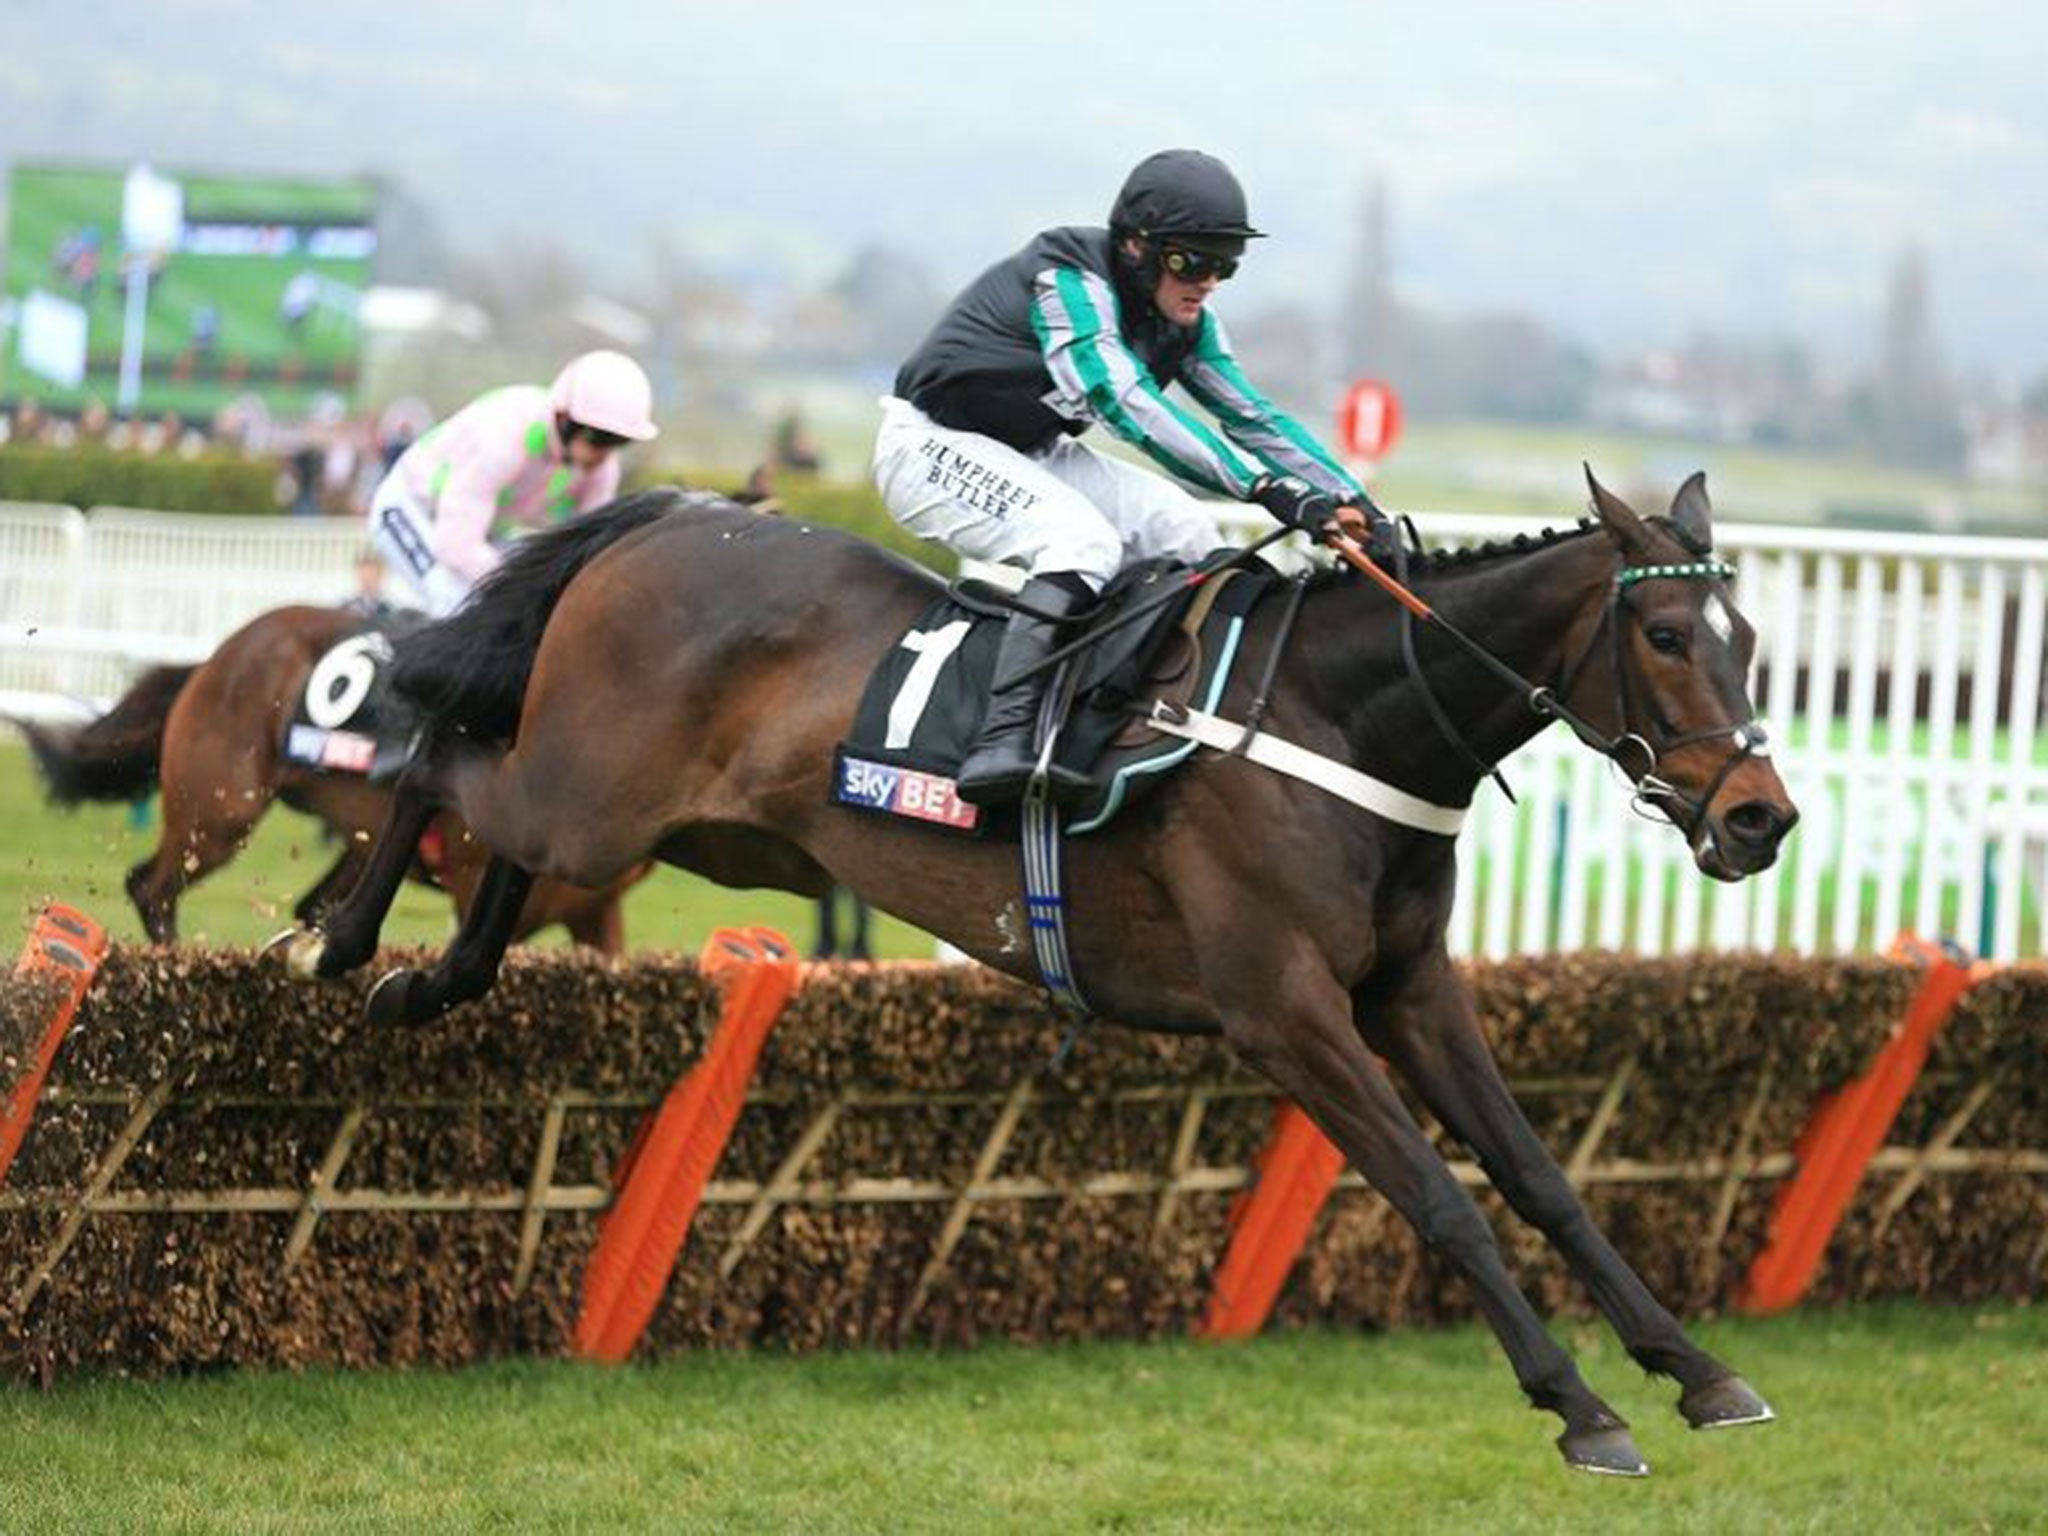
(67,945)
(663,1180)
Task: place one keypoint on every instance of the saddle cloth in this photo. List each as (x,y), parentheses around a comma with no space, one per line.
(346,720)
(923,705)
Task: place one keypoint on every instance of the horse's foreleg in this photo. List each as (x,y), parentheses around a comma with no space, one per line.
(1312,1051)
(340,876)
(1427,1027)
(469,965)
(348,935)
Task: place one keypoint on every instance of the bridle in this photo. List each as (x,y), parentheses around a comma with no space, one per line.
(1652,791)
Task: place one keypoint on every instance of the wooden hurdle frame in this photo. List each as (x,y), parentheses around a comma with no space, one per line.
(324,1196)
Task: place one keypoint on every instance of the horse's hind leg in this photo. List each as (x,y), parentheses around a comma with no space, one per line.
(599,925)
(468,966)
(200,833)
(1306,1043)
(1427,1028)
(153,886)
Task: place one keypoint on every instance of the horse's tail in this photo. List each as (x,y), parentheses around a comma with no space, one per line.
(114,757)
(469,671)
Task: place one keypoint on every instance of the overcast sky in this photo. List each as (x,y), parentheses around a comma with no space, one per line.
(1628,172)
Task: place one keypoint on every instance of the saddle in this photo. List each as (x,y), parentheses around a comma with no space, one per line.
(922,708)
(346,719)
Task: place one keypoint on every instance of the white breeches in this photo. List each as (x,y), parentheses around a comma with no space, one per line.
(402,532)
(1068,508)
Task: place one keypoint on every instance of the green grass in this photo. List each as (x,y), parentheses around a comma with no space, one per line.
(1893,1418)
(81,856)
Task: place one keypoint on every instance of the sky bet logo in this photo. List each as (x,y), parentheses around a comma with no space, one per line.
(902,792)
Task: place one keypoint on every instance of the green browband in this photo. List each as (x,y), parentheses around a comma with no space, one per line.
(1705,570)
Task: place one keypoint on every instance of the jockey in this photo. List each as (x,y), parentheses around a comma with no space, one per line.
(978,446)
(511,460)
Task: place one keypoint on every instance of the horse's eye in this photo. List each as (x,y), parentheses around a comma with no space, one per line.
(1666,639)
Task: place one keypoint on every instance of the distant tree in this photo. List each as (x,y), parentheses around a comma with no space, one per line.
(889,300)
(411,249)
(1369,327)
(1286,349)
(1502,364)
(1914,409)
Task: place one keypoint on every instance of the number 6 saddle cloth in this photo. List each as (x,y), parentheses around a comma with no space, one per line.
(346,720)
(923,706)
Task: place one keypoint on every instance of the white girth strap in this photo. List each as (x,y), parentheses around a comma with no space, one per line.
(1339,779)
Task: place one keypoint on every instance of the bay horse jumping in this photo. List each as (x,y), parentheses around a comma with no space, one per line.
(212,736)
(671,679)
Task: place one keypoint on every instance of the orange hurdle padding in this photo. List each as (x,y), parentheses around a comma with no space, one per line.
(69,946)
(1297,1171)
(664,1175)
(1843,1134)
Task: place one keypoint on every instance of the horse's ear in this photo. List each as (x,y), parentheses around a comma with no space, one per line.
(1692,515)
(1619,519)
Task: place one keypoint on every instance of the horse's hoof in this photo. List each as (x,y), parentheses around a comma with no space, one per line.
(1723,1404)
(1611,1452)
(301,949)
(385,1006)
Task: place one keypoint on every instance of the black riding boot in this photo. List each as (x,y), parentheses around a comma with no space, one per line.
(1002,761)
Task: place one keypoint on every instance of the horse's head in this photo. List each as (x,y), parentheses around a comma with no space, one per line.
(1678,698)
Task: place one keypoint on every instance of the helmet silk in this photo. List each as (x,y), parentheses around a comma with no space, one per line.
(1187,196)
(608,391)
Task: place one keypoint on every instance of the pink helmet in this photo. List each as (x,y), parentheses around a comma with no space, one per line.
(607,390)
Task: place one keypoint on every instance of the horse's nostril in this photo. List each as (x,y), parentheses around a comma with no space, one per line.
(1757,822)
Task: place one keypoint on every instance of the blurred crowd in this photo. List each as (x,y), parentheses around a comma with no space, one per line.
(327,465)
(96,426)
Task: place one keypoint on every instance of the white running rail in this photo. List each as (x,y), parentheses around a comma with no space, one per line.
(1924,807)
(87,601)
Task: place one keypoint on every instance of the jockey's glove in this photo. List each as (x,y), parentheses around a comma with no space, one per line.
(1293,501)
(1371,527)
(1298,504)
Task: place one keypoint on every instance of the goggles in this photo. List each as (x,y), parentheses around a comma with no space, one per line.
(1196,266)
(596,437)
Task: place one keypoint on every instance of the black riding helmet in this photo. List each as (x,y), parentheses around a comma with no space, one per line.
(1184,197)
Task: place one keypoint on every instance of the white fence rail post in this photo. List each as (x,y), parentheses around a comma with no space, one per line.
(88,600)
(2023,821)
(1976,785)
(42,588)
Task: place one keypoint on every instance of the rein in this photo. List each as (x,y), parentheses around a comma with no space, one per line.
(1651,788)
(1439,716)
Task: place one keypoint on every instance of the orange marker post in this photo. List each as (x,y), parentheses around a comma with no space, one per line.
(1845,1131)
(1297,1171)
(664,1176)
(69,946)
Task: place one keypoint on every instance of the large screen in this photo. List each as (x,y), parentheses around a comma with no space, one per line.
(156,290)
